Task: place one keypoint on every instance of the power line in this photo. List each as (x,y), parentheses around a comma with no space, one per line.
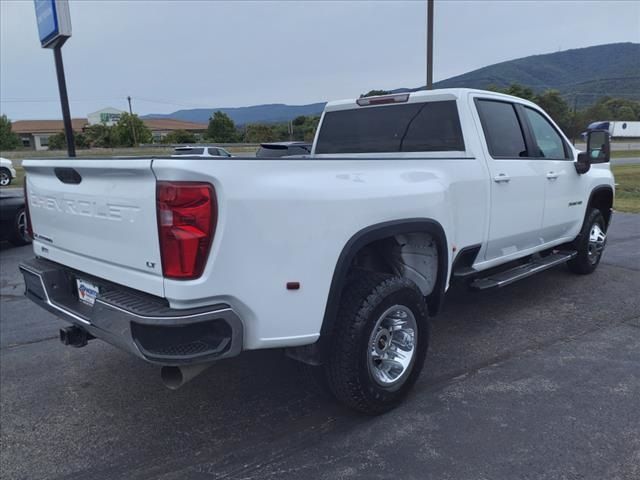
(177,103)
(55,100)
(182,103)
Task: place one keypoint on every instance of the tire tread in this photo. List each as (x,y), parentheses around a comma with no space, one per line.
(363,293)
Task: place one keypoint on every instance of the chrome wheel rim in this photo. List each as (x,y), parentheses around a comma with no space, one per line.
(597,240)
(22,225)
(4,179)
(392,346)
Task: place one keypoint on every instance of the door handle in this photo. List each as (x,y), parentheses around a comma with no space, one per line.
(552,175)
(502,178)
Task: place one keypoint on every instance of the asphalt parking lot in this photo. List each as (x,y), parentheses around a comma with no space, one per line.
(538,380)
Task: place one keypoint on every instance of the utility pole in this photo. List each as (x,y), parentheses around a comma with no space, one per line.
(430,44)
(574,122)
(133,128)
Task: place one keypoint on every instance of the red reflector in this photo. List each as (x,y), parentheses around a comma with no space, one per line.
(26,209)
(187,217)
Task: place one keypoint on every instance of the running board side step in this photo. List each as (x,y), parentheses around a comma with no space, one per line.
(501,279)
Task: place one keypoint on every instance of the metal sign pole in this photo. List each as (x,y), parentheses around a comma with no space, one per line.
(64,101)
(54,28)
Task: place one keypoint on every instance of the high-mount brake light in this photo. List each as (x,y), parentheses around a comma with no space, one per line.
(382,100)
(187,217)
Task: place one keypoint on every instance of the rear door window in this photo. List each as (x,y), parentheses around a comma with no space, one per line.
(502,129)
(414,127)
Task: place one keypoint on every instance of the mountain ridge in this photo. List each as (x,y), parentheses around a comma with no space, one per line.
(582,75)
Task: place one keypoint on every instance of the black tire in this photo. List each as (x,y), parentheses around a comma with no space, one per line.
(5,177)
(589,252)
(350,376)
(19,236)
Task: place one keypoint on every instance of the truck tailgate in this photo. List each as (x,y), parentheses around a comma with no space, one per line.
(97,216)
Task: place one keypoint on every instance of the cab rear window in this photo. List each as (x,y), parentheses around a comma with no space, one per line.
(413,127)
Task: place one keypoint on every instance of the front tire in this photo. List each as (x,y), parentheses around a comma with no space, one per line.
(379,343)
(5,177)
(590,244)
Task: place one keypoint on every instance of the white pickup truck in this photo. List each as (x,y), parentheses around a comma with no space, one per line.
(339,257)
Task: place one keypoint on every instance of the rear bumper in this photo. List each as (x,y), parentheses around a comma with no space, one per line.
(134,321)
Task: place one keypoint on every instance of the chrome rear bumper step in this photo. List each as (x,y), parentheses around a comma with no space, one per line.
(506,277)
(132,320)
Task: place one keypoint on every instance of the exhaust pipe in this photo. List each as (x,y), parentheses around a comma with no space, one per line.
(175,377)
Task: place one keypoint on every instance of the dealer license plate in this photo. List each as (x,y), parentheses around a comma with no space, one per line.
(87,291)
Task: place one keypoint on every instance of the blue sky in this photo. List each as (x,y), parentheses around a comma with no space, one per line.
(170,55)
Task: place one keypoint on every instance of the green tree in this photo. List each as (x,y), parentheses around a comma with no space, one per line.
(608,108)
(552,102)
(304,128)
(300,120)
(259,133)
(179,136)
(575,122)
(372,93)
(221,128)
(100,136)
(621,109)
(123,131)
(81,140)
(626,113)
(59,141)
(516,90)
(8,139)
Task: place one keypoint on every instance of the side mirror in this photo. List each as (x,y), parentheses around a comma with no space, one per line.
(598,147)
(598,151)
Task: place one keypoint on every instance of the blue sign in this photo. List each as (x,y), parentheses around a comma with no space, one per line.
(47,20)
(54,21)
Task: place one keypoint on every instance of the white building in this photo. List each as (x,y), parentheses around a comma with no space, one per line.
(107,116)
(35,133)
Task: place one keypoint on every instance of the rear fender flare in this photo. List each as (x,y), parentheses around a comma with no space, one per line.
(377,232)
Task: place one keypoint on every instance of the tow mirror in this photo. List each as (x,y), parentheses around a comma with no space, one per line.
(598,151)
(598,146)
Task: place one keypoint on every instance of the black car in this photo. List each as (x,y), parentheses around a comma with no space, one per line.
(283,149)
(13,219)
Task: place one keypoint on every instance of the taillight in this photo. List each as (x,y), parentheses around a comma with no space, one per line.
(26,209)
(187,217)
